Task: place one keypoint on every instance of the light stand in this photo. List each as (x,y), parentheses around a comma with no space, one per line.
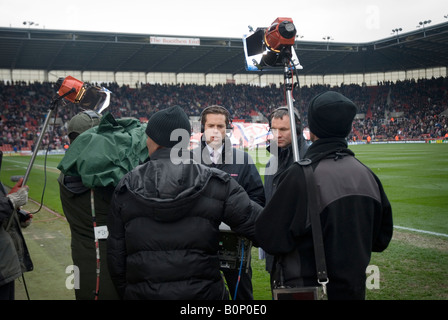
(53,106)
(289,101)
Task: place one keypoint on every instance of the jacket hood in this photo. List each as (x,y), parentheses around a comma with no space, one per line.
(166,190)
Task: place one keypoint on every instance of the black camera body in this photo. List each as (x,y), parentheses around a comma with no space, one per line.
(234,251)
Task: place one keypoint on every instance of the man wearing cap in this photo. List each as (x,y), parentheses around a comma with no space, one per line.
(355,213)
(81,122)
(164,224)
(76,204)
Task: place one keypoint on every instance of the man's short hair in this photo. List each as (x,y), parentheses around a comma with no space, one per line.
(215,109)
(279,113)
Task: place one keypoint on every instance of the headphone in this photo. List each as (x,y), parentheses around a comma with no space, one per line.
(95,117)
(206,111)
(296,117)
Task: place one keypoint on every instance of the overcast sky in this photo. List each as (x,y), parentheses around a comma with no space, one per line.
(343,21)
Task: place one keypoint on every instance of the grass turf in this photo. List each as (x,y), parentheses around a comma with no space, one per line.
(414,176)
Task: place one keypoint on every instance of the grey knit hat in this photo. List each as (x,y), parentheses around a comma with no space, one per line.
(164,122)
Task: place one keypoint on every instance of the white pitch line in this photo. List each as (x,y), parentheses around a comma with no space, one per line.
(422,231)
(26,164)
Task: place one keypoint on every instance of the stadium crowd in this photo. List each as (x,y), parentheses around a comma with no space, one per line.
(410,109)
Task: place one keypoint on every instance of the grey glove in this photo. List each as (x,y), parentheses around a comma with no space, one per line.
(19,198)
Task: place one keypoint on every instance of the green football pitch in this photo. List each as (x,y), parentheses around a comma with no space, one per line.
(414,176)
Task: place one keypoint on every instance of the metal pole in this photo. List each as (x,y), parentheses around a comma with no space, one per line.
(36,149)
(289,101)
(33,157)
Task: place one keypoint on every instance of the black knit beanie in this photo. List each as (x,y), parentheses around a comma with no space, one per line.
(164,122)
(330,114)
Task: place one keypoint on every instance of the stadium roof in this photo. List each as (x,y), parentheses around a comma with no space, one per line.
(48,50)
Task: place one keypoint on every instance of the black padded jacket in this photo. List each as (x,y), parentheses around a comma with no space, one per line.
(164,229)
(356,219)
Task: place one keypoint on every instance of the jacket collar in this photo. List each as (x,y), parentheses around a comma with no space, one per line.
(326,147)
(162,153)
(282,153)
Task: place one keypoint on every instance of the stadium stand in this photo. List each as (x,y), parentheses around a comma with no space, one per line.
(45,49)
(404,110)
(388,111)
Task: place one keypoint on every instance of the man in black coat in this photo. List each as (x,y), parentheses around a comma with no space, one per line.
(282,156)
(216,151)
(355,213)
(164,226)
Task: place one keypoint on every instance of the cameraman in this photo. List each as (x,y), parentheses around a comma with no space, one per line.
(164,225)
(76,204)
(14,255)
(216,151)
(356,216)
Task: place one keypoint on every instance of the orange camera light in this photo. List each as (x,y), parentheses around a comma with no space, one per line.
(70,83)
(281,33)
